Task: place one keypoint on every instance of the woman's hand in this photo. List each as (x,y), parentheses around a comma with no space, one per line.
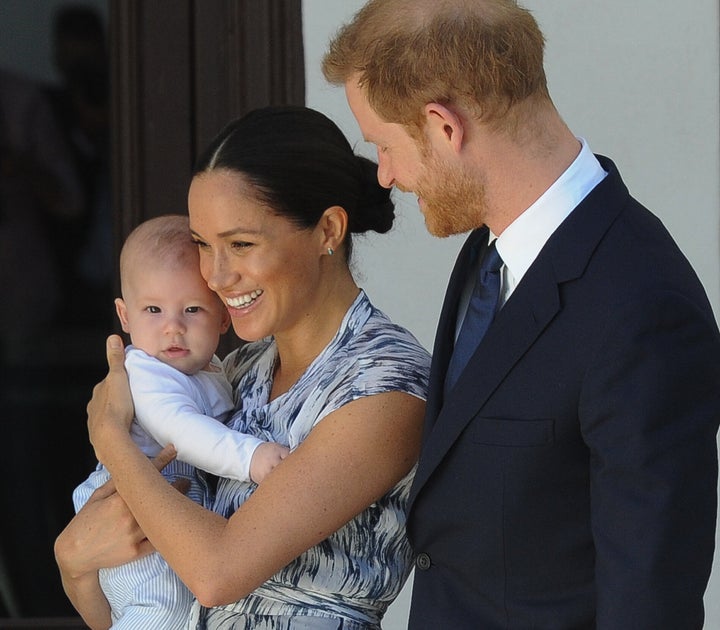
(103,533)
(111,408)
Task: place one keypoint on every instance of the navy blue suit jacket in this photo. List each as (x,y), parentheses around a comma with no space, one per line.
(569,480)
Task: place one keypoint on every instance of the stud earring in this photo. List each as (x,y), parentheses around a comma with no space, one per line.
(330,251)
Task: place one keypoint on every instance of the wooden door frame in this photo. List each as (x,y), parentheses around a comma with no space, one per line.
(181,70)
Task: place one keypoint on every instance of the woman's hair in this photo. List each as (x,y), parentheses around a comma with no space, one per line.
(300,163)
(483,55)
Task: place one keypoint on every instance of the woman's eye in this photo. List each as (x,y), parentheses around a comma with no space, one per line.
(200,244)
(241,244)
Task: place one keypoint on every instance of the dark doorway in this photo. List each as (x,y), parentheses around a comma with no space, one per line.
(56,275)
(173,73)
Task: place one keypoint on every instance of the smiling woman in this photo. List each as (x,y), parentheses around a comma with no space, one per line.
(260,265)
(265,217)
(321,541)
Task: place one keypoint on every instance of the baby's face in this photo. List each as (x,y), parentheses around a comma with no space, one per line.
(173,316)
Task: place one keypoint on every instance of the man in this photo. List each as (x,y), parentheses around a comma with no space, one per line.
(568,475)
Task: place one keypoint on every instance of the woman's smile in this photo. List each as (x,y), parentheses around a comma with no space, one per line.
(244,300)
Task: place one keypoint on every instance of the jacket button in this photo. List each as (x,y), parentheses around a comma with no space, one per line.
(423,562)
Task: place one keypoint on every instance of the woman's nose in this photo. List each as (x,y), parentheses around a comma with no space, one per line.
(217,274)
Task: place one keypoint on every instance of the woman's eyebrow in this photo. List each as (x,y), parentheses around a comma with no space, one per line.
(231,232)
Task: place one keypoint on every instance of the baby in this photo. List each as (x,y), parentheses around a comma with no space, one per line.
(181,397)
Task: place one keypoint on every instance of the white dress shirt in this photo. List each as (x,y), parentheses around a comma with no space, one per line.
(521,242)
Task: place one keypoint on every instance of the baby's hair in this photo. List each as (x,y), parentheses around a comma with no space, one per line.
(163,241)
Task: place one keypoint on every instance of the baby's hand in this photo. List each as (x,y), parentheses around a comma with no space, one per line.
(265,458)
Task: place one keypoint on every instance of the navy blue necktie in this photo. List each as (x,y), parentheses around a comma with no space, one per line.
(480,313)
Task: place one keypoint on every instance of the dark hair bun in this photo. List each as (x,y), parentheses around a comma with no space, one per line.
(300,163)
(375,210)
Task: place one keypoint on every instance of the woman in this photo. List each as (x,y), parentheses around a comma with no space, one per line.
(321,542)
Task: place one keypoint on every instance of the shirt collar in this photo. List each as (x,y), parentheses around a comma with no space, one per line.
(521,242)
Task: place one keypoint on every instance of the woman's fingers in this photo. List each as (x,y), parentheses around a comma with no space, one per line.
(111,405)
(104,491)
(115,352)
(164,457)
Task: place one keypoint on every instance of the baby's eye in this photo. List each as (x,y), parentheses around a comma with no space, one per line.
(152,309)
(192,309)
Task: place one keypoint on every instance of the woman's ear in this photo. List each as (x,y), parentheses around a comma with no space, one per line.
(444,126)
(333,228)
(121,310)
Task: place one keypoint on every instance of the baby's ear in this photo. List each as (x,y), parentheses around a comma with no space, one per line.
(121,310)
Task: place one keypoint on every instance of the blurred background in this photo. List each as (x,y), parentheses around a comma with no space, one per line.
(103,106)
(56,277)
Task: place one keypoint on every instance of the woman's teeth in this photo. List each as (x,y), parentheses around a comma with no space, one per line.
(243,300)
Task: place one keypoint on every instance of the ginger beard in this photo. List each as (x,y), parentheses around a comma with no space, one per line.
(451,201)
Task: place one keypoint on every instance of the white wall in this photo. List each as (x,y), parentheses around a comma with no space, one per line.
(639,80)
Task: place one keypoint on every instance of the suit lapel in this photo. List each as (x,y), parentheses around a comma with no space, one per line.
(514,330)
(532,306)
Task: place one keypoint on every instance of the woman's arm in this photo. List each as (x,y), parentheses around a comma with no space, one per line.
(82,548)
(350,459)
(88,599)
(103,533)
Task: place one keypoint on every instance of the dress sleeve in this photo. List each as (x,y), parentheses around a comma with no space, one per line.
(384,359)
(167,406)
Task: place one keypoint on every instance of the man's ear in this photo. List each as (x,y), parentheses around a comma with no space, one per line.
(445,126)
(121,310)
(333,225)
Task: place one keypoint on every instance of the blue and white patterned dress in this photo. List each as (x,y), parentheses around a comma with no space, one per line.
(349,579)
